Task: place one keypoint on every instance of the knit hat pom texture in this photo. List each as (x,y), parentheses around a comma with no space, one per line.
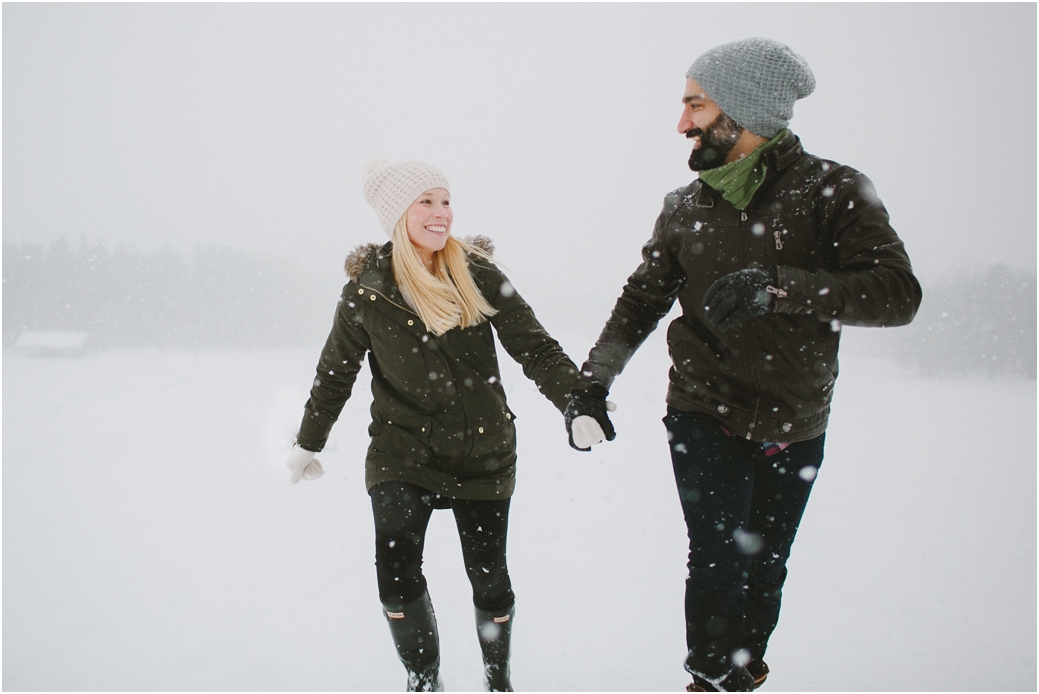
(755,82)
(391,186)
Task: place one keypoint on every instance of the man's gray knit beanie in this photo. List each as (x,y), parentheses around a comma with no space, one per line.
(755,82)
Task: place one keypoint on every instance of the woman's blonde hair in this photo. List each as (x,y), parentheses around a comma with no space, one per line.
(447,296)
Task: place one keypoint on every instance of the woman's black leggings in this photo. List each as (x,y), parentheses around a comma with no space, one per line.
(402,513)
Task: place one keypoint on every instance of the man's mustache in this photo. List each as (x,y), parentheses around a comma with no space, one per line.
(693,132)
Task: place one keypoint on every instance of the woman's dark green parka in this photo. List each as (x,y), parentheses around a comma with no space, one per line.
(439,415)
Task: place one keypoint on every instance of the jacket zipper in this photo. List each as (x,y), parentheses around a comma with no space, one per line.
(748,362)
(782,293)
(779,242)
(390,301)
(753,419)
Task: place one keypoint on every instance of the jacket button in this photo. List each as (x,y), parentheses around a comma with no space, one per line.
(360,291)
(389,422)
(787,426)
(508,416)
(411,322)
(722,409)
(373,297)
(480,430)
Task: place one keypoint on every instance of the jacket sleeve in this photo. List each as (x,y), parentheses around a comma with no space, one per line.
(646,298)
(336,372)
(870,282)
(526,340)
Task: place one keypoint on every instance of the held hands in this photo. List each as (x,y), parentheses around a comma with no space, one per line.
(303,464)
(587,421)
(738,296)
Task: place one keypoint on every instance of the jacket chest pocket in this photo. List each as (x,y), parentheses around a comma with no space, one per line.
(790,241)
(707,244)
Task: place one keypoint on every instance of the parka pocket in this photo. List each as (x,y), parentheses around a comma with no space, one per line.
(493,435)
(406,436)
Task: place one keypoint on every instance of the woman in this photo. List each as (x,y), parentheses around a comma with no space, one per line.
(422,307)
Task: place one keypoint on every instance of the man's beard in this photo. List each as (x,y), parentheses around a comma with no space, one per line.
(715,143)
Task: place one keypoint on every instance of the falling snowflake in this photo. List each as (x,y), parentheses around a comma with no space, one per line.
(747,542)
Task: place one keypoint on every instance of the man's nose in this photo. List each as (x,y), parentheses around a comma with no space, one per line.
(685,123)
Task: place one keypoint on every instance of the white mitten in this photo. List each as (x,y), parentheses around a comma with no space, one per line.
(303,464)
(587,431)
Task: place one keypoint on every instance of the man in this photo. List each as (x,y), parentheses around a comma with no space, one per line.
(769,252)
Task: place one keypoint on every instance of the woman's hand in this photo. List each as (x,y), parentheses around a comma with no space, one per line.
(303,464)
(587,421)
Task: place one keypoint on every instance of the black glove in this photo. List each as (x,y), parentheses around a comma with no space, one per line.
(589,402)
(738,296)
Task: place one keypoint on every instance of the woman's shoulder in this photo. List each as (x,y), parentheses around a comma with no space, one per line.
(361,257)
(480,254)
(481,243)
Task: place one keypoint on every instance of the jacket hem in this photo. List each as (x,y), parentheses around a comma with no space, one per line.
(740,422)
(489,488)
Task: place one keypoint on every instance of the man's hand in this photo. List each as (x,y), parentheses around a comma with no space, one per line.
(587,421)
(738,296)
(303,465)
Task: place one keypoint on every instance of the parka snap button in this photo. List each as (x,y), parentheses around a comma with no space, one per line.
(508,416)
(389,422)
(480,430)
(722,409)
(360,291)
(787,426)
(373,297)
(411,322)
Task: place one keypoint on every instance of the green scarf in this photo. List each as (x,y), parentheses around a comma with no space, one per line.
(737,181)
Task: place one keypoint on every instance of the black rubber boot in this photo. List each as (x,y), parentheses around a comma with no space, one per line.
(414,630)
(495,632)
(759,671)
(737,680)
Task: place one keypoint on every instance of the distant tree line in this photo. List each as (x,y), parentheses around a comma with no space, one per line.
(982,323)
(217,297)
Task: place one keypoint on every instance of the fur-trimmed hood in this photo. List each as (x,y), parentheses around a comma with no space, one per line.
(358,257)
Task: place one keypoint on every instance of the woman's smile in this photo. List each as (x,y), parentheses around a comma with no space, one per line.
(429,222)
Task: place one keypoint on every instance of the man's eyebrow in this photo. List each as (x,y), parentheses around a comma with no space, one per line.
(693,97)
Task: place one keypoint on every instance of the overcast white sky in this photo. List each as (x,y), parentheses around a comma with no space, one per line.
(247,124)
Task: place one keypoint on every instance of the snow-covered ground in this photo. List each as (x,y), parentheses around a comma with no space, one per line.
(152,541)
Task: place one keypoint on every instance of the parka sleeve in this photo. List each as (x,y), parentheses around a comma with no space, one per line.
(337,370)
(526,340)
(646,298)
(871,281)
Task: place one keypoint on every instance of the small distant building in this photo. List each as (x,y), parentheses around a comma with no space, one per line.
(52,343)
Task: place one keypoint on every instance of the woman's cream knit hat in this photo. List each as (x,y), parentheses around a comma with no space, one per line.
(391,186)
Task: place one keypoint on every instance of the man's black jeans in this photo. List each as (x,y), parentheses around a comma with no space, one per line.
(742,510)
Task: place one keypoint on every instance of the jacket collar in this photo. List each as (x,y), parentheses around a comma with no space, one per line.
(784,154)
(777,159)
(370,266)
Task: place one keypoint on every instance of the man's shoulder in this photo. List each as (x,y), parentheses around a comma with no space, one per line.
(813,167)
(686,196)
